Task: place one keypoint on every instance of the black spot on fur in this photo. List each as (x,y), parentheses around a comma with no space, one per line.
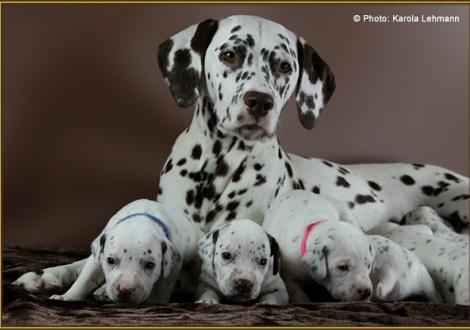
(374,185)
(316,190)
(221,168)
(289,169)
(408,180)
(451,177)
(327,163)
(342,182)
(196,152)
(363,199)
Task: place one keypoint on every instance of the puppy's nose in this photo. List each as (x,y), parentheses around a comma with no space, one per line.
(125,292)
(364,293)
(258,103)
(243,286)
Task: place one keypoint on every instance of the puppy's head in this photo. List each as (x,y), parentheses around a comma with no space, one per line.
(249,67)
(133,258)
(238,257)
(339,257)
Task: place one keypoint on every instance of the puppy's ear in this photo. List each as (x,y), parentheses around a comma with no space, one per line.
(275,253)
(170,257)
(181,60)
(97,247)
(315,86)
(316,263)
(206,247)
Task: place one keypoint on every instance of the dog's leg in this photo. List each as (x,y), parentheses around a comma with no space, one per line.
(51,279)
(275,293)
(461,290)
(386,285)
(206,295)
(90,278)
(100,293)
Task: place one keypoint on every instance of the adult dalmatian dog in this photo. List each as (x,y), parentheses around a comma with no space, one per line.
(240,72)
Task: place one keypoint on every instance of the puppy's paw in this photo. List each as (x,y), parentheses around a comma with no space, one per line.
(100,294)
(38,282)
(58,297)
(382,293)
(207,301)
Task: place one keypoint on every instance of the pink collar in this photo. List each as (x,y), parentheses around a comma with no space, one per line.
(308,229)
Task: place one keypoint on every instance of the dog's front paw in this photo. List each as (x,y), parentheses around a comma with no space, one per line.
(58,297)
(207,301)
(38,282)
(100,294)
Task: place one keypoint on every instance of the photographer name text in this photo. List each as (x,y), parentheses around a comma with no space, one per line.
(367,18)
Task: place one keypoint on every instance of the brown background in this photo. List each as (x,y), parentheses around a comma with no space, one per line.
(87,122)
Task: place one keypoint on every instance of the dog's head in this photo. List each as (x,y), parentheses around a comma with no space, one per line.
(133,258)
(339,257)
(249,67)
(239,256)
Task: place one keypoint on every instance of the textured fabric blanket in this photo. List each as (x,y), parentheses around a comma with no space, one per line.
(22,308)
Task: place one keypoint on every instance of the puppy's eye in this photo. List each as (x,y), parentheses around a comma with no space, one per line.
(285,67)
(110,261)
(343,268)
(263,261)
(228,57)
(226,255)
(149,265)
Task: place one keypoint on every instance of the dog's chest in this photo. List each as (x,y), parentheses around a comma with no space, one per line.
(214,181)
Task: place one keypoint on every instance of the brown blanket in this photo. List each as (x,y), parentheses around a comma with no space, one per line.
(22,308)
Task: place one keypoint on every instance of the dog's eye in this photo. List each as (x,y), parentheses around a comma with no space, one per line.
(149,265)
(285,67)
(343,268)
(263,261)
(228,57)
(226,255)
(110,261)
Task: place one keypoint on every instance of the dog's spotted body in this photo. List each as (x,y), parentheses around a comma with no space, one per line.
(240,71)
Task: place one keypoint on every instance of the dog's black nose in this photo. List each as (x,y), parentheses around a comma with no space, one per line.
(243,286)
(258,103)
(364,293)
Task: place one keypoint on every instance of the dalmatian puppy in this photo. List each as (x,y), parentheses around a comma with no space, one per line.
(427,216)
(139,255)
(240,263)
(397,273)
(318,244)
(446,261)
(239,73)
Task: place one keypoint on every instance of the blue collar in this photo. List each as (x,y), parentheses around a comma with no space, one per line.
(158,221)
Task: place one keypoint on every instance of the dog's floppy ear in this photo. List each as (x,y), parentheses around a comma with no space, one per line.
(316,263)
(170,257)
(97,247)
(181,60)
(315,86)
(275,253)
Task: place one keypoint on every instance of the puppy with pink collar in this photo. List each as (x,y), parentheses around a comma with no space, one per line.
(320,241)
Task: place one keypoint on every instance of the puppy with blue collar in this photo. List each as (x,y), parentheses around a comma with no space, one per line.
(139,255)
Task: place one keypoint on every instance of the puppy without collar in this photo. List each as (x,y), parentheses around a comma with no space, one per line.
(240,263)
(447,262)
(317,246)
(139,255)
(397,273)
